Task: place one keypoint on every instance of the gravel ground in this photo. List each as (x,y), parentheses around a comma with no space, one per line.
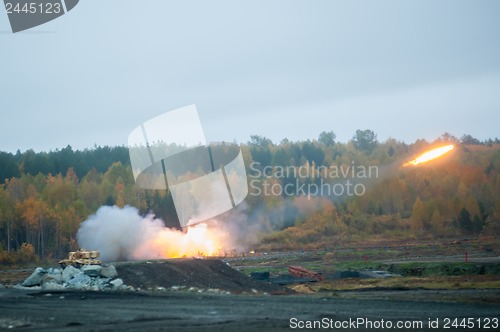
(185,311)
(209,295)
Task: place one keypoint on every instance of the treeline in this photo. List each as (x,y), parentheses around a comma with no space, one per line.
(59,161)
(45,211)
(45,196)
(457,195)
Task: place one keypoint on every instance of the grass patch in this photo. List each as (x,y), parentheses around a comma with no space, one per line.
(437,282)
(443,269)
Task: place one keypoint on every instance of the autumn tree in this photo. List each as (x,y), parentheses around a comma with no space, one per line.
(418,216)
(6,217)
(327,138)
(465,221)
(8,166)
(437,224)
(260,149)
(35,215)
(45,196)
(313,153)
(365,140)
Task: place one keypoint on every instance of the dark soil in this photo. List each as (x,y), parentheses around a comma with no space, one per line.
(14,276)
(247,308)
(174,311)
(199,273)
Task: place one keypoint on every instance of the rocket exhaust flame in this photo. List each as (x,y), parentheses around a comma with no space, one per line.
(123,234)
(197,241)
(430,155)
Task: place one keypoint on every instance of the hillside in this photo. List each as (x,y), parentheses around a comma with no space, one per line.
(301,194)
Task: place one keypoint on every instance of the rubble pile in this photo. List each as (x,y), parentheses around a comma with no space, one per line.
(88,277)
(192,275)
(211,276)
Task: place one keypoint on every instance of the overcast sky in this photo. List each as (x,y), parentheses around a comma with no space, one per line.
(405,69)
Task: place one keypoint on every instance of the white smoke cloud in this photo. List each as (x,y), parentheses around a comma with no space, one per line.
(121,233)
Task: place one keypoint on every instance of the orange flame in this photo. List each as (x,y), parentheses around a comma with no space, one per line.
(198,241)
(430,155)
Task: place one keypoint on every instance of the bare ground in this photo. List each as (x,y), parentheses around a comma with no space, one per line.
(216,297)
(212,274)
(132,311)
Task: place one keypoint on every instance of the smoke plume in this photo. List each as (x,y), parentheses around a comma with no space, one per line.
(122,233)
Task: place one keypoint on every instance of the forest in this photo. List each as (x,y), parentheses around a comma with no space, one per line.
(44,196)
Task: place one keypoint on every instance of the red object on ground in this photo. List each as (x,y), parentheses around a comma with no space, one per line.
(300,272)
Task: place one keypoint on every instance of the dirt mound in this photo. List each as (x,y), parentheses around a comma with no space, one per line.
(199,273)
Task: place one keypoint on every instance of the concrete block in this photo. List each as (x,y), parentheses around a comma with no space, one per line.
(70,272)
(117,283)
(35,278)
(109,272)
(52,278)
(91,270)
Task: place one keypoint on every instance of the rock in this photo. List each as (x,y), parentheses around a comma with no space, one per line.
(52,278)
(101,283)
(51,286)
(70,272)
(109,272)
(91,270)
(35,278)
(117,283)
(54,271)
(80,281)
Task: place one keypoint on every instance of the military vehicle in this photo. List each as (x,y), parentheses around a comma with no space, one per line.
(81,257)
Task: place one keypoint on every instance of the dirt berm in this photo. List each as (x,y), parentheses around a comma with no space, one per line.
(199,273)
